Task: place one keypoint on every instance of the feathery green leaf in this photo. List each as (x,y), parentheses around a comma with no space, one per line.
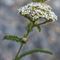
(13,38)
(34,51)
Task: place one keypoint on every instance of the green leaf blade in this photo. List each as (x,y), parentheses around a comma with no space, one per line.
(34,51)
(13,38)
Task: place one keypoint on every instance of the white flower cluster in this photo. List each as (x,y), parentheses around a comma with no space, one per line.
(36,10)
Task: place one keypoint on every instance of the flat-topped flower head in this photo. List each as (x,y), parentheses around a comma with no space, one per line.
(36,10)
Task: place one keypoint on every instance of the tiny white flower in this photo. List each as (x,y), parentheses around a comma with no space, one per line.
(36,10)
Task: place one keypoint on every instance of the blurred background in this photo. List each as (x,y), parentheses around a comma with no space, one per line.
(12,23)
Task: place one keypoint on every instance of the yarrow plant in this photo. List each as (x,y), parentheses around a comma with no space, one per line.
(33,11)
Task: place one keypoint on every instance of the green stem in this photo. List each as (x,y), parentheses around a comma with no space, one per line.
(16,57)
(45,22)
(32,51)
